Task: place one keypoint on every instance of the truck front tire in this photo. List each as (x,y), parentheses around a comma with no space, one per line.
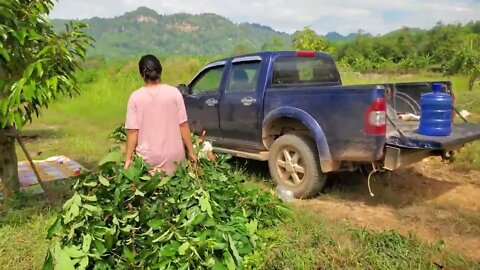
(294,165)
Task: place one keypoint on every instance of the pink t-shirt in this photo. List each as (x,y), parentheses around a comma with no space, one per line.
(157,113)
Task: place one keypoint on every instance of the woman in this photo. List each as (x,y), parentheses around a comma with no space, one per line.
(157,127)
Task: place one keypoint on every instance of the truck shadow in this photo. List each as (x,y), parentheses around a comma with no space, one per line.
(258,170)
(394,189)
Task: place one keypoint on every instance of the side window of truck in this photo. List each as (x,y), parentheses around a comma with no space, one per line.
(209,81)
(304,70)
(244,76)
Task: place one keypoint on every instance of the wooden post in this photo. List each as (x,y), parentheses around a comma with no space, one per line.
(50,195)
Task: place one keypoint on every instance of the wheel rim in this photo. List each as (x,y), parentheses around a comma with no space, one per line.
(290,166)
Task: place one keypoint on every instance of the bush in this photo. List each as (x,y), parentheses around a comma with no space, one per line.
(119,135)
(201,218)
(410,64)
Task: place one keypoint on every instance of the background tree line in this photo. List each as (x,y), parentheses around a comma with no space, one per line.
(448,48)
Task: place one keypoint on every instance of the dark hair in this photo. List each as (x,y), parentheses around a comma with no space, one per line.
(150,68)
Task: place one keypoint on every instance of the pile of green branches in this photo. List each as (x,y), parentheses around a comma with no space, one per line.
(202,217)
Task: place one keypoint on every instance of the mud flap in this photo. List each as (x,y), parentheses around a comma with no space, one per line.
(396,158)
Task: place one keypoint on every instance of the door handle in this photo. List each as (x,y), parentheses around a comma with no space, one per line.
(211,102)
(248,101)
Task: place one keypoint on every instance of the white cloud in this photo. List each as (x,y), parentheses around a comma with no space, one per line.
(344,16)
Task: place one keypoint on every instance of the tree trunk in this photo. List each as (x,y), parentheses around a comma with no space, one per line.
(471,81)
(8,164)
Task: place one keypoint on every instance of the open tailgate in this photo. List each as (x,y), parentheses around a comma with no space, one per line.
(461,135)
(402,151)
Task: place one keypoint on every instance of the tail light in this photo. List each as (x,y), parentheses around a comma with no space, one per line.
(375,122)
(306,54)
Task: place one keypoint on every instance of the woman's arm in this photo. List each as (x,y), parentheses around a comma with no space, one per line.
(132,139)
(187,140)
(132,125)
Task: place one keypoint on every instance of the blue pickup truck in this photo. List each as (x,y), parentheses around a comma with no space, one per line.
(290,109)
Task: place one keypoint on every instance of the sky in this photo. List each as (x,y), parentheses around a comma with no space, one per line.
(343,16)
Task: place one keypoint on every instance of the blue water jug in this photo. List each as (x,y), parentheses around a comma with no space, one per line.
(436,118)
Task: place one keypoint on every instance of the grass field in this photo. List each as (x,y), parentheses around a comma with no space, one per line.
(83,124)
(79,129)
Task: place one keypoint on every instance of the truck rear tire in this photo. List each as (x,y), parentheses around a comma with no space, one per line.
(294,164)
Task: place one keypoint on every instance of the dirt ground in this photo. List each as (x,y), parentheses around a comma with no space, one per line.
(429,199)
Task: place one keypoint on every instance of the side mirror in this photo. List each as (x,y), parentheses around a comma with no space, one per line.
(184,89)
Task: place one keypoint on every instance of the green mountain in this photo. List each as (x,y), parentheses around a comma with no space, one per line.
(145,31)
(334,36)
(413,31)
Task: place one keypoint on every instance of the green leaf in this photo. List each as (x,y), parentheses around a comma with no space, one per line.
(74,252)
(210,222)
(171,249)
(156,223)
(62,259)
(131,215)
(20,34)
(205,205)
(166,236)
(252,227)
(100,247)
(115,221)
(87,241)
(78,225)
(127,228)
(18,119)
(183,266)
(108,241)
(116,195)
(229,260)
(92,208)
(64,262)
(48,263)
(56,226)
(219,246)
(39,68)
(146,178)
(234,250)
(114,156)
(28,72)
(54,83)
(132,173)
(4,54)
(4,106)
(163,264)
(83,264)
(183,248)
(128,254)
(92,198)
(104,181)
(72,213)
(219,266)
(164,181)
(90,184)
(139,193)
(199,219)
(77,199)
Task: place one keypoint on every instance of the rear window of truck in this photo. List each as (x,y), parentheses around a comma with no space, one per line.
(304,70)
